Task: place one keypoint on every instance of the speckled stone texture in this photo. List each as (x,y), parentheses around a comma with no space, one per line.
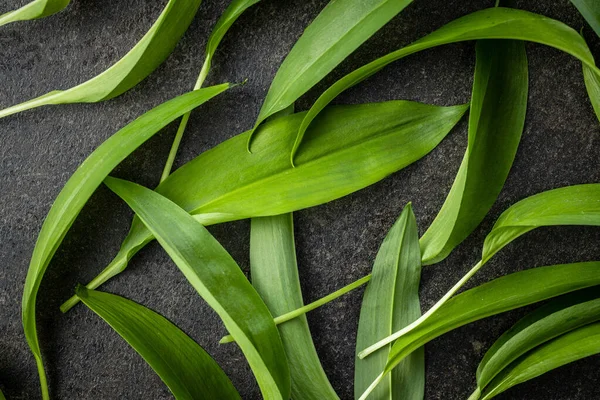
(336,242)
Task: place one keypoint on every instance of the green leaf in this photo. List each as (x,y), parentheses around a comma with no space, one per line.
(492,23)
(274,274)
(337,159)
(572,346)
(34,10)
(496,120)
(80,187)
(218,279)
(498,296)
(145,57)
(338,30)
(592,85)
(391,302)
(554,319)
(590,9)
(188,371)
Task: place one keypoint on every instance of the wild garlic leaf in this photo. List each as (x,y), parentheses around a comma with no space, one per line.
(575,345)
(79,189)
(500,295)
(143,59)
(592,85)
(492,23)
(348,148)
(340,28)
(34,10)
(590,9)
(391,302)
(184,366)
(554,319)
(496,120)
(218,279)
(274,273)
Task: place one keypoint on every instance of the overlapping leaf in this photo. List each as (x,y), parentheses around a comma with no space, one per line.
(34,10)
(338,30)
(590,9)
(493,23)
(496,120)
(373,141)
(80,187)
(130,70)
(218,279)
(391,302)
(275,276)
(554,319)
(188,371)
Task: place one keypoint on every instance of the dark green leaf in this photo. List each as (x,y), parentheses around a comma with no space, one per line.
(590,9)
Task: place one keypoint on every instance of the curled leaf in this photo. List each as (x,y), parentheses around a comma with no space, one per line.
(184,366)
(34,10)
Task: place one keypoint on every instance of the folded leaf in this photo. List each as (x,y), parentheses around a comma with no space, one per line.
(391,302)
(590,9)
(493,23)
(218,279)
(34,10)
(275,277)
(554,319)
(188,371)
(130,70)
(338,30)
(496,120)
(495,297)
(79,189)
(572,346)
(347,149)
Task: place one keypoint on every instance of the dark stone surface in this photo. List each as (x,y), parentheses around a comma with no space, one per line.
(337,242)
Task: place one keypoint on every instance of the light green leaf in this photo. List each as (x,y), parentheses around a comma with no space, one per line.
(218,279)
(391,302)
(338,30)
(575,345)
(78,190)
(337,159)
(274,274)
(34,10)
(188,371)
(145,57)
(590,9)
(554,319)
(496,120)
(492,23)
(500,295)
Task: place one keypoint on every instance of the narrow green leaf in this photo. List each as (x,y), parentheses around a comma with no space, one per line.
(34,10)
(575,345)
(338,30)
(590,9)
(492,23)
(552,320)
(274,274)
(500,295)
(592,85)
(337,159)
(188,370)
(496,120)
(218,279)
(145,57)
(391,302)
(80,187)
(2,396)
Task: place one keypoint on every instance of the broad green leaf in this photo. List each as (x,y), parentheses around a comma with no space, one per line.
(495,297)
(145,57)
(34,10)
(496,120)
(218,279)
(492,23)
(592,84)
(81,186)
(554,319)
(391,302)
(348,148)
(575,345)
(338,30)
(590,9)
(274,274)
(188,370)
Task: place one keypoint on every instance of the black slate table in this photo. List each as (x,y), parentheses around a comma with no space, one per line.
(336,242)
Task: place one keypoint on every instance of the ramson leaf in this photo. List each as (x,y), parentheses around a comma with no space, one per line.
(34,10)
